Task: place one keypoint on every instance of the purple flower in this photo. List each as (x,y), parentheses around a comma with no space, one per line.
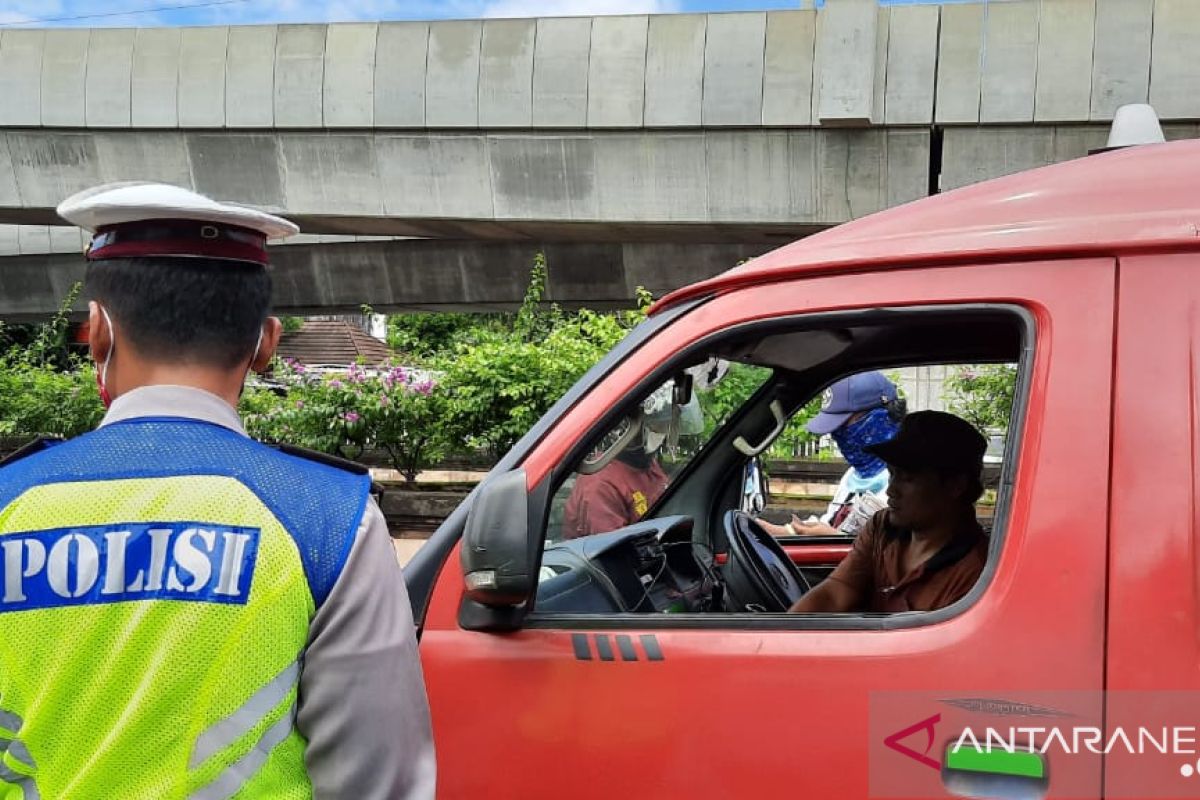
(299,404)
(351,416)
(336,384)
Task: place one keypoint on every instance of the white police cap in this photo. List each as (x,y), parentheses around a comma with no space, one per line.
(140,219)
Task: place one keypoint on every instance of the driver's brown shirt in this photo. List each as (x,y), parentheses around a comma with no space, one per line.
(875,568)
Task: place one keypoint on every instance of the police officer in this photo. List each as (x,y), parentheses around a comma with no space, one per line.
(187,613)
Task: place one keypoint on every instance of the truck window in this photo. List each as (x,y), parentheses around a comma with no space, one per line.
(704,498)
(632,465)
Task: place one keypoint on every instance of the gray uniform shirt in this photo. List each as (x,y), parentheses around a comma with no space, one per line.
(362,704)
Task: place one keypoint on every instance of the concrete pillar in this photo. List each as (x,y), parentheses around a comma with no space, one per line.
(430,177)
(560,72)
(1066,40)
(335,171)
(675,69)
(959,72)
(1174,64)
(400,60)
(848,34)
(250,76)
(203,77)
(21,54)
(349,88)
(64,71)
(299,76)
(971,155)
(733,69)
(109,74)
(617,72)
(155,88)
(1010,45)
(506,73)
(452,77)
(788,68)
(1121,55)
(543,177)
(911,65)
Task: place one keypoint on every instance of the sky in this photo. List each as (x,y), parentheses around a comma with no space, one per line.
(98,13)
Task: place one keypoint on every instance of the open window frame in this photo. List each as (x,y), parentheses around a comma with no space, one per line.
(797,389)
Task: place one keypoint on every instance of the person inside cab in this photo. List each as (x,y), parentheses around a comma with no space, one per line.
(857,411)
(620,493)
(926,549)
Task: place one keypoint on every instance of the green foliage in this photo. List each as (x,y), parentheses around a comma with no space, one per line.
(419,337)
(292,324)
(46,390)
(742,381)
(503,379)
(395,410)
(982,394)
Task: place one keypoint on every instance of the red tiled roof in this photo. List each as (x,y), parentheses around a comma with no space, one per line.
(332,342)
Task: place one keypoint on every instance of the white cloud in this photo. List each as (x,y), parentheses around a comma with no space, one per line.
(19,12)
(569,8)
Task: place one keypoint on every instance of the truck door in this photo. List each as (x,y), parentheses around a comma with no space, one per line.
(1153,654)
(744,705)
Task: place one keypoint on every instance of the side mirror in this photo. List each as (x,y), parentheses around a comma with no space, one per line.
(499,556)
(755,488)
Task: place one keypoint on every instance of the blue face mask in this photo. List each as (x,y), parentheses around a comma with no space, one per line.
(877,426)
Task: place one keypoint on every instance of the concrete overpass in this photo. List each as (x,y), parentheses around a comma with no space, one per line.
(744,129)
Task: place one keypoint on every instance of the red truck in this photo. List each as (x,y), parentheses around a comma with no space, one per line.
(656,660)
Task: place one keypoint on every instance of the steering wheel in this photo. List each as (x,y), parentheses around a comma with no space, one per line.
(759,575)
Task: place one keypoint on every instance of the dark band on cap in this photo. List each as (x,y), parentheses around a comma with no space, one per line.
(187,238)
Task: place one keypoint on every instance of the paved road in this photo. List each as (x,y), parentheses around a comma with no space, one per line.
(406,549)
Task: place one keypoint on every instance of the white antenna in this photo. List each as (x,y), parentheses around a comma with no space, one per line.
(1133,124)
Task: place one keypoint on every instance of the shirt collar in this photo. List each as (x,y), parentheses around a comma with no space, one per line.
(183,402)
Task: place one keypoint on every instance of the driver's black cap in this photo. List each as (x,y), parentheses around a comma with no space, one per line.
(934,440)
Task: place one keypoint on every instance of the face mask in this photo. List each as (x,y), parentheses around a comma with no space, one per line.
(853,439)
(102,371)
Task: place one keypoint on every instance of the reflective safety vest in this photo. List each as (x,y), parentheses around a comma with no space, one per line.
(157,582)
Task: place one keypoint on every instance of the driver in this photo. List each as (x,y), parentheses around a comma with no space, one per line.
(926,550)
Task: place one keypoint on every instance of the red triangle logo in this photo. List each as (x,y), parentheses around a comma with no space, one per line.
(926,725)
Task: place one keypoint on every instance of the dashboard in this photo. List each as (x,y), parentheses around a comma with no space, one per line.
(651,567)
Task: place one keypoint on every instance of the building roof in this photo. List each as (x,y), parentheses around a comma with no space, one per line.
(332,342)
(1136,199)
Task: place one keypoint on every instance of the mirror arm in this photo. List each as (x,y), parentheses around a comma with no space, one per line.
(750,451)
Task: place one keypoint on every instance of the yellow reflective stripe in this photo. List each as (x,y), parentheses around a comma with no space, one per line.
(28,787)
(20,753)
(252,712)
(231,780)
(17,754)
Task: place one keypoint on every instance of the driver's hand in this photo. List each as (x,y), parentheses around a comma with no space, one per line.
(812,528)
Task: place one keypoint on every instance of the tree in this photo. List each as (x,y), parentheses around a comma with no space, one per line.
(396,410)
(982,394)
(45,389)
(501,381)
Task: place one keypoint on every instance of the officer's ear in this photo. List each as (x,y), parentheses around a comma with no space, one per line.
(100,334)
(272,330)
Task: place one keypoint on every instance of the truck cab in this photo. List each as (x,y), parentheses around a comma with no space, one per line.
(657,658)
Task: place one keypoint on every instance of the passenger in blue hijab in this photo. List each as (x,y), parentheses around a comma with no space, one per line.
(858,411)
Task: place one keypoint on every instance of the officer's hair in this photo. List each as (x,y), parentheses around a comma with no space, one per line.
(203,311)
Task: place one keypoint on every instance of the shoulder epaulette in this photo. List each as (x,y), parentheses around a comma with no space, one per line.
(36,446)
